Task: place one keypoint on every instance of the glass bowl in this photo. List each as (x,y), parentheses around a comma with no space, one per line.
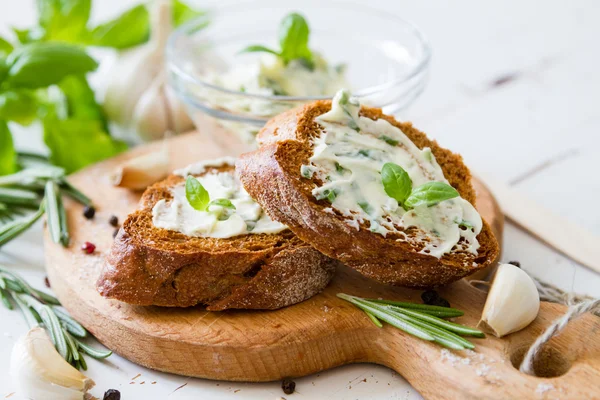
(387,60)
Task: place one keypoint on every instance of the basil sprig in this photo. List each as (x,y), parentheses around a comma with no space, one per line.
(199,198)
(293,41)
(398,185)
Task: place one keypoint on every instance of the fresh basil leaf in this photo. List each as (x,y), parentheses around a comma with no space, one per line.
(256,48)
(130,29)
(431,193)
(64,20)
(195,194)
(42,64)
(5,47)
(226,203)
(81,101)
(293,39)
(396,182)
(74,144)
(19,106)
(183,13)
(4,67)
(8,155)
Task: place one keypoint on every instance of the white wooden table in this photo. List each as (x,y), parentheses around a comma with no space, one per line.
(539,131)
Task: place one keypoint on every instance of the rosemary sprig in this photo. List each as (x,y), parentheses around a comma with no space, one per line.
(42,309)
(420,320)
(39,186)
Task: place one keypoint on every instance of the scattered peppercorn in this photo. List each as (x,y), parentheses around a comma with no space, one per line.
(432,298)
(114,221)
(115,233)
(47,282)
(515,263)
(288,386)
(112,394)
(89,212)
(88,247)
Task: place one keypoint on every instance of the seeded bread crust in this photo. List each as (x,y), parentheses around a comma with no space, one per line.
(152,266)
(271,175)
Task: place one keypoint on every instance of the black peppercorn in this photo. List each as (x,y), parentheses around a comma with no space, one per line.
(288,386)
(112,394)
(515,263)
(114,221)
(89,212)
(432,298)
(429,297)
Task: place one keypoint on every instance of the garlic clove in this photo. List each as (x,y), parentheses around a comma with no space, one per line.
(150,119)
(181,119)
(159,111)
(41,373)
(140,172)
(513,302)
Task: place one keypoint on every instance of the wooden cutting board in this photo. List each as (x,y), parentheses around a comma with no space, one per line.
(318,334)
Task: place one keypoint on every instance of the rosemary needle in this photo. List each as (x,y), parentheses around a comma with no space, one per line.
(41,309)
(420,320)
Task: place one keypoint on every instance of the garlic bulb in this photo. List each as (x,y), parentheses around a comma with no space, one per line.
(41,373)
(140,172)
(137,96)
(513,302)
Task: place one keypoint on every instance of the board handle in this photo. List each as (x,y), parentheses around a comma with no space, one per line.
(568,366)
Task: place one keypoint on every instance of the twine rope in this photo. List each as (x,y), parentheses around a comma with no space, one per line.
(575,311)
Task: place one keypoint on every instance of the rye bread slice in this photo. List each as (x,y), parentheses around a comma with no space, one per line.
(272,176)
(153,266)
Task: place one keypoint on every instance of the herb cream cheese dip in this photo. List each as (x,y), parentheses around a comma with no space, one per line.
(348,158)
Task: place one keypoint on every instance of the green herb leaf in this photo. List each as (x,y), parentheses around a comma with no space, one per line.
(396,182)
(196,195)
(258,49)
(5,47)
(226,203)
(183,13)
(63,20)
(130,29)
(38,65)
(81,101)
(389,140)
(73,144)
(19,106)
(431,193)
(464,223)
(293,39)
(8,156)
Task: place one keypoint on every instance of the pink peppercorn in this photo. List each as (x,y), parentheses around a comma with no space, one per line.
(88,247)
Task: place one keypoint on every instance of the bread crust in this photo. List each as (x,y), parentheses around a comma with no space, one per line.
(152,266)
(271,175)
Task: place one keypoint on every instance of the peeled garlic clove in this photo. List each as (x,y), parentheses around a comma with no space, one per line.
(41,373)
(513,302)
(140,172)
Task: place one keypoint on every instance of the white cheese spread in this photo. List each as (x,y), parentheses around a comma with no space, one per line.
(177,214)
(348,157)
(269,77)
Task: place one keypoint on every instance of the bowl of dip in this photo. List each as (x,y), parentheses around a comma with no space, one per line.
(230,94)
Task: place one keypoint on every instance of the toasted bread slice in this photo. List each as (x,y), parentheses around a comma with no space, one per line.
(154,266)
(272,176)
